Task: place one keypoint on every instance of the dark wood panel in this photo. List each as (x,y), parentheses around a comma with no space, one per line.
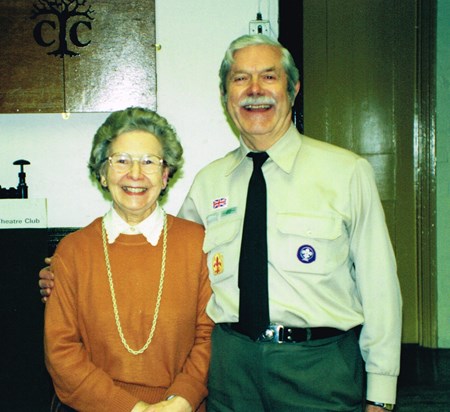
(118,67)
(77,56)
(30,80)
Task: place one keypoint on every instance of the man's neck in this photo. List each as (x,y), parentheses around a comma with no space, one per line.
(262,143)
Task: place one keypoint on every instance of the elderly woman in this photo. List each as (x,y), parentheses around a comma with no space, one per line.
(126,328)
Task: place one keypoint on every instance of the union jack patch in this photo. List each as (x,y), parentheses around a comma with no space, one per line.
(219,203)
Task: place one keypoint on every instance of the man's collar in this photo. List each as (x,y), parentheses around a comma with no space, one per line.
(150,227)
(283,152)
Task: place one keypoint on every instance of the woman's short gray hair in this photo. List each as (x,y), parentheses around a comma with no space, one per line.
(130,119)
(248,40)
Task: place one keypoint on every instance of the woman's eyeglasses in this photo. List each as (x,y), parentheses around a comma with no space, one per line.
(123,162)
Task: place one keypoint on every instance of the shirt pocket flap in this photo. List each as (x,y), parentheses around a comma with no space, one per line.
(220,233)
(321,237)
(314,227)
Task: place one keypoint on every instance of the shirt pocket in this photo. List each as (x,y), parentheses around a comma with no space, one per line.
(222,244)
(311,244)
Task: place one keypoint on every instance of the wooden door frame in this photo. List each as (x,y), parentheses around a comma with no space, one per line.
(290,33)
(290,15)
(425,159)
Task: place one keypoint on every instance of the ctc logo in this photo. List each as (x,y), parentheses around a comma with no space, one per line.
(43,28)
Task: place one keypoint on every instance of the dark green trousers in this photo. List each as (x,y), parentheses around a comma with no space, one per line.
(315,376)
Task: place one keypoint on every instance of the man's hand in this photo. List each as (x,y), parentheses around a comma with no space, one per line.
(373,408)
(141,406)
(46,281)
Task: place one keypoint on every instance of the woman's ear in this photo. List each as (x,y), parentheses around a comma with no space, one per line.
(165,177)
(103,181)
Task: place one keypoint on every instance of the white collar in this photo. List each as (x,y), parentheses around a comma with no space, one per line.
(150,227)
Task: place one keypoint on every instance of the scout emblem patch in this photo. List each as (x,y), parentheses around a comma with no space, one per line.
(306,254)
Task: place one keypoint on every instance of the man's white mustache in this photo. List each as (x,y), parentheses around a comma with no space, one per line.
(257,100)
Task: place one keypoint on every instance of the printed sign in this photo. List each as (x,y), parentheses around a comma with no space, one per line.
(23,213)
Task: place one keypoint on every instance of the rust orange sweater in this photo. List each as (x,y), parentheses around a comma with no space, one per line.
(90,368)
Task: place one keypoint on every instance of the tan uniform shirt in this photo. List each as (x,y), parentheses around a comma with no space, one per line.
(331,262)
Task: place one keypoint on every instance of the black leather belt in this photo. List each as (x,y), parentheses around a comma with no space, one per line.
(280,334)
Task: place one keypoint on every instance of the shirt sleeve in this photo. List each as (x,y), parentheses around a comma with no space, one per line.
(378,286)
(188,209)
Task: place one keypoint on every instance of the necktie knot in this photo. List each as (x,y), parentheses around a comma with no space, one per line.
(258,158)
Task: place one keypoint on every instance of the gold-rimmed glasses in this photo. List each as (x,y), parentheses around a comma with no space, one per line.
(123,162)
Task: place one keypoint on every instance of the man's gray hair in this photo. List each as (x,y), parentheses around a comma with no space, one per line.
(247,40)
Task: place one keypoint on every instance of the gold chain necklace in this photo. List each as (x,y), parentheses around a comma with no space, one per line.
(113,294)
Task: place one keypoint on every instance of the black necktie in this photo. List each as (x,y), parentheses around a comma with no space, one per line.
(253,262)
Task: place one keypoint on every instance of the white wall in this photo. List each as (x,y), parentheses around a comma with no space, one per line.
(194,35)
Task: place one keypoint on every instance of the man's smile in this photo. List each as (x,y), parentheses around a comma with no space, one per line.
(257,107)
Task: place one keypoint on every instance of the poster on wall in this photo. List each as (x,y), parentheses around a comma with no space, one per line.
(64,56)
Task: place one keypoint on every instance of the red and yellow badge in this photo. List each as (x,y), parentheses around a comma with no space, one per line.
(217,264)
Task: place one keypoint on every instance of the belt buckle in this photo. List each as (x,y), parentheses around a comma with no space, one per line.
(273,333)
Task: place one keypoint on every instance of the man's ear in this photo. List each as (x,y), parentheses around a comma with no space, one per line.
(297,89)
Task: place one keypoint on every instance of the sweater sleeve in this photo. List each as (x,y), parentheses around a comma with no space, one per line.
(78,382)
(191,382)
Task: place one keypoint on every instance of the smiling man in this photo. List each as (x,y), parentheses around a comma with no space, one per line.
(257,100)
(333,301)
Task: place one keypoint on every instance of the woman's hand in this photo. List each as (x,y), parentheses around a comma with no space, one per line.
(176,404)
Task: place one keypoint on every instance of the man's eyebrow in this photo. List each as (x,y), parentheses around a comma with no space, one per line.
(238,71)
(246,71)
(270,69)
